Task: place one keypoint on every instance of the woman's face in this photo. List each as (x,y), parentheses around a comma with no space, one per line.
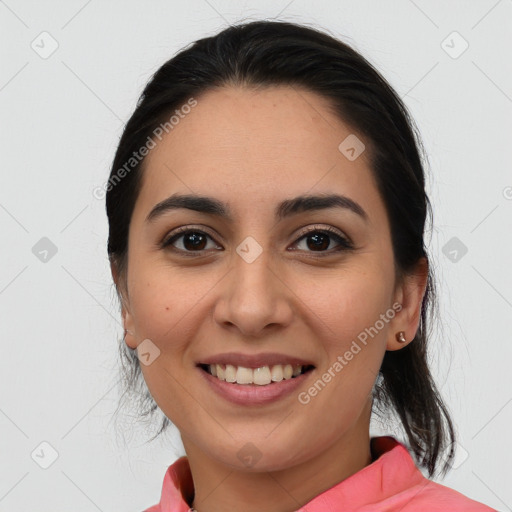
(250,283)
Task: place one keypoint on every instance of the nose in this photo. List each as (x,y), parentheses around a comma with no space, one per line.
(254,298)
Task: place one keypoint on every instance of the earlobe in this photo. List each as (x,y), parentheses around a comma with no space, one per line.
(406,322)
(129,339)
(129,331)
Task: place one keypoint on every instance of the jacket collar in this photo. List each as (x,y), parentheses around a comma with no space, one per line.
(391,472)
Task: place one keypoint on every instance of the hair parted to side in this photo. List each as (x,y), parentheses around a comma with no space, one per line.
(272,53)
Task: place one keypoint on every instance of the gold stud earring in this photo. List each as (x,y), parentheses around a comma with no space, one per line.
(400,337)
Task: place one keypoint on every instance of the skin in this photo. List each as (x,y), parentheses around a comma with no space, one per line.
(297,303)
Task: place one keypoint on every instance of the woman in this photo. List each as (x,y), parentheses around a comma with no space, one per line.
(266,212)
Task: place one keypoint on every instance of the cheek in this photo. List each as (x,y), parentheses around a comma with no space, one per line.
(347,303)
(162,305)
(353,336)
(162,300)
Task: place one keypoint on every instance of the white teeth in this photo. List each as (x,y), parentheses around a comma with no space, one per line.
(259,376)
(230,374)
(277,373)
(244,375)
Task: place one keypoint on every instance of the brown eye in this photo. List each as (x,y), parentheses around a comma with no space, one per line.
(189,240)
(194,240)
(319,240)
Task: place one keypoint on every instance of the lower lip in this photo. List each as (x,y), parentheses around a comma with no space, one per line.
(254,394)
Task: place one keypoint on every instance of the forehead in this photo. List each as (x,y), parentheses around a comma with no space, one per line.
(256,145)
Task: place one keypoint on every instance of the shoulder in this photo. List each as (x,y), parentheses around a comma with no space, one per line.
(402,486)
(430,496)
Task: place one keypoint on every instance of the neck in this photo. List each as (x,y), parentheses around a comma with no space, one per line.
(219,488)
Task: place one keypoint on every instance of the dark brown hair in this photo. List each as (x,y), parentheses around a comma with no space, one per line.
(268,53)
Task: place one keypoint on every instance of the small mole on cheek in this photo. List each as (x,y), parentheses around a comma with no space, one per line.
(166,308)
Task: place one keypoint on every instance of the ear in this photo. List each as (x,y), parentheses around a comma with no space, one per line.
(122,293)
(409,293)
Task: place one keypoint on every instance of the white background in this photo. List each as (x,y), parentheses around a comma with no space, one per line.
(61,118)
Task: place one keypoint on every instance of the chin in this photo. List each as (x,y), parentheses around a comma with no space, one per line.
(253,456)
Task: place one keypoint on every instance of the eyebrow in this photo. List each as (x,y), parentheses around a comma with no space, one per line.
(284,209)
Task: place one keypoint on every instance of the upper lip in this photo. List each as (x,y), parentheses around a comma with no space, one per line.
(254,360)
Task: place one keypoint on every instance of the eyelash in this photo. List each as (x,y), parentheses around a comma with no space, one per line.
(345,243)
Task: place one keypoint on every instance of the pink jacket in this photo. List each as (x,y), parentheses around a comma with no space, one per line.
(391,483)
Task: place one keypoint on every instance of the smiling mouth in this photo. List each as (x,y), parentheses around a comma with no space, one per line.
(261,376)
